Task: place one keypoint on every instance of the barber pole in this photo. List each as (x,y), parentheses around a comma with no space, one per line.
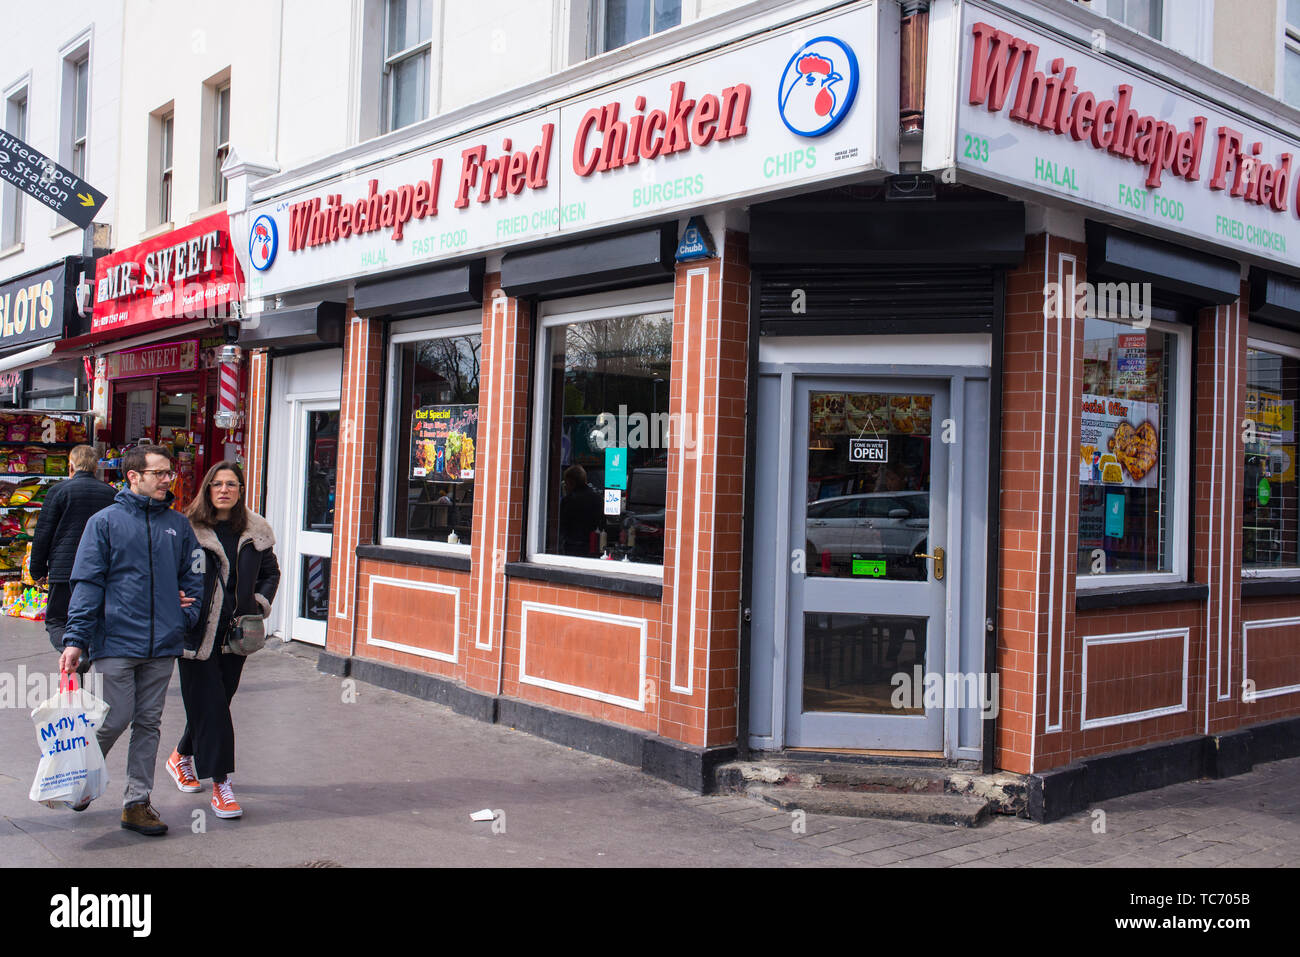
(228,416)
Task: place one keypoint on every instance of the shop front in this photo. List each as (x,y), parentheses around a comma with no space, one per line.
(37,310)
(1146,623)
(537,503)
(667,418)
(163,373)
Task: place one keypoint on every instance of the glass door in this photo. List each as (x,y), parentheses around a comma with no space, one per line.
(314,475)
(867,614)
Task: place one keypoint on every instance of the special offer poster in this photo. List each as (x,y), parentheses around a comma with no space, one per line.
(1119,442)
(443,440)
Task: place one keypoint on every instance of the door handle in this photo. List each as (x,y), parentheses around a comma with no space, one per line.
(938,562)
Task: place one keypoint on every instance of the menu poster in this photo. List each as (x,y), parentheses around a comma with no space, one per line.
(1119,442)
(443,439)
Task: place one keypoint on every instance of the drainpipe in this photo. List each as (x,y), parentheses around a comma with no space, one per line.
(914,28)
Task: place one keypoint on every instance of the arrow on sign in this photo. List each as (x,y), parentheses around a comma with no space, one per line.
(86,200)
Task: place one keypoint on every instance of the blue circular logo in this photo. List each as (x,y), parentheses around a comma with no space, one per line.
(818,86)
(263,242)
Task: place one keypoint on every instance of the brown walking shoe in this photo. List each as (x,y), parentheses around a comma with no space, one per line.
(143,819)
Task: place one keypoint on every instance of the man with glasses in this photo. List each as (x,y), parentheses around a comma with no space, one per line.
(136,582)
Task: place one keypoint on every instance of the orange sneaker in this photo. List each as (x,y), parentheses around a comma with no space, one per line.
(223,800)
(181,768)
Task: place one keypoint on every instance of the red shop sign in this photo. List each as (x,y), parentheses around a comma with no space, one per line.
(190,273)
(155,360)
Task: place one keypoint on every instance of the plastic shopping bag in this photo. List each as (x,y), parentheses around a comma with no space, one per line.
(72,768)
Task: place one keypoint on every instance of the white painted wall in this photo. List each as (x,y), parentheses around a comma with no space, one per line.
(30,54)
(171,48)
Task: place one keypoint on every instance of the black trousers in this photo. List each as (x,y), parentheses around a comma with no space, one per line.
(207,688)
(56,619)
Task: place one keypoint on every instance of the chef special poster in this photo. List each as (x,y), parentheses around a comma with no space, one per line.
(1119,442)
(443,442)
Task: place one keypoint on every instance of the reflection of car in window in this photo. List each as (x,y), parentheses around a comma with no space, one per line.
(647,489)
(889,525)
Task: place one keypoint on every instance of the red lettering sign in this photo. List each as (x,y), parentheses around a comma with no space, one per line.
(190,273)
(1051,102)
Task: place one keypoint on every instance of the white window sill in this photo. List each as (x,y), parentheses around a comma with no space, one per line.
(156,231)
(209,211)
(64,229)
(1085,583)
(13,250)
(1281,571)
(600,565)
(422,545)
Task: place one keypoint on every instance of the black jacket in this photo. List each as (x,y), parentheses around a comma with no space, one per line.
(257,578)
(63,517)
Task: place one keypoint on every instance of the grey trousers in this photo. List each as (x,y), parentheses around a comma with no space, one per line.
(135,689)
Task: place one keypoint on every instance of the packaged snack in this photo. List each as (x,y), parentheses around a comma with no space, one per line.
(17,462)
(76,432)
(10,525)
(6,490)
(27,565)
(24,493)
(56,465)
(61,427)
(35,461)
(39,497)
(4,462)
(29,520)
(19,432)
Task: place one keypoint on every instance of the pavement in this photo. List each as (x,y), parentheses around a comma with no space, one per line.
(334,772)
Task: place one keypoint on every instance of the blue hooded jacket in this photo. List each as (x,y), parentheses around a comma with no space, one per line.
(134,559)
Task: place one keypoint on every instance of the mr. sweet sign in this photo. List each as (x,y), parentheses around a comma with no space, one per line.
(188,273)
(1030,109)
(778,111)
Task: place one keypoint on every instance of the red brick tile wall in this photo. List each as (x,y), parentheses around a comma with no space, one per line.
(259,365)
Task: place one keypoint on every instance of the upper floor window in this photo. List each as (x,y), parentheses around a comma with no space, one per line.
(79,82)
(221,131)
(624,21)
(408,33)
(167,126)
(1144,16)
(1291,54)
(15,122)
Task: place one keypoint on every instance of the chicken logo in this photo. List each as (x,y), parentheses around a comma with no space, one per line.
(263,242)
(818,86)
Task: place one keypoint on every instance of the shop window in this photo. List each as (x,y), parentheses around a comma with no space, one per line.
(1132,451)
(408,32)
(1271,516)
(433,447)
(621,22)
(11,203)
(603,428)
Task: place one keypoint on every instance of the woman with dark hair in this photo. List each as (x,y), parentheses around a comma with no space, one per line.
(240,577)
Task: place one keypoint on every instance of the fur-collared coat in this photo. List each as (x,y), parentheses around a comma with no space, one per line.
(256,581)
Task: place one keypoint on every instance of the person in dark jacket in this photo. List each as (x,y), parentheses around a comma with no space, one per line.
(135,584)
(240,578)
(64,514)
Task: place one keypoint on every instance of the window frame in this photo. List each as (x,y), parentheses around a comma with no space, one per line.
(1180,493)
(389,61)
(1290,43)
(221,149)
(451,325)
(14,219)
(166,165)
(1278,341)
(597,39)
(563,312)
(78,146)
